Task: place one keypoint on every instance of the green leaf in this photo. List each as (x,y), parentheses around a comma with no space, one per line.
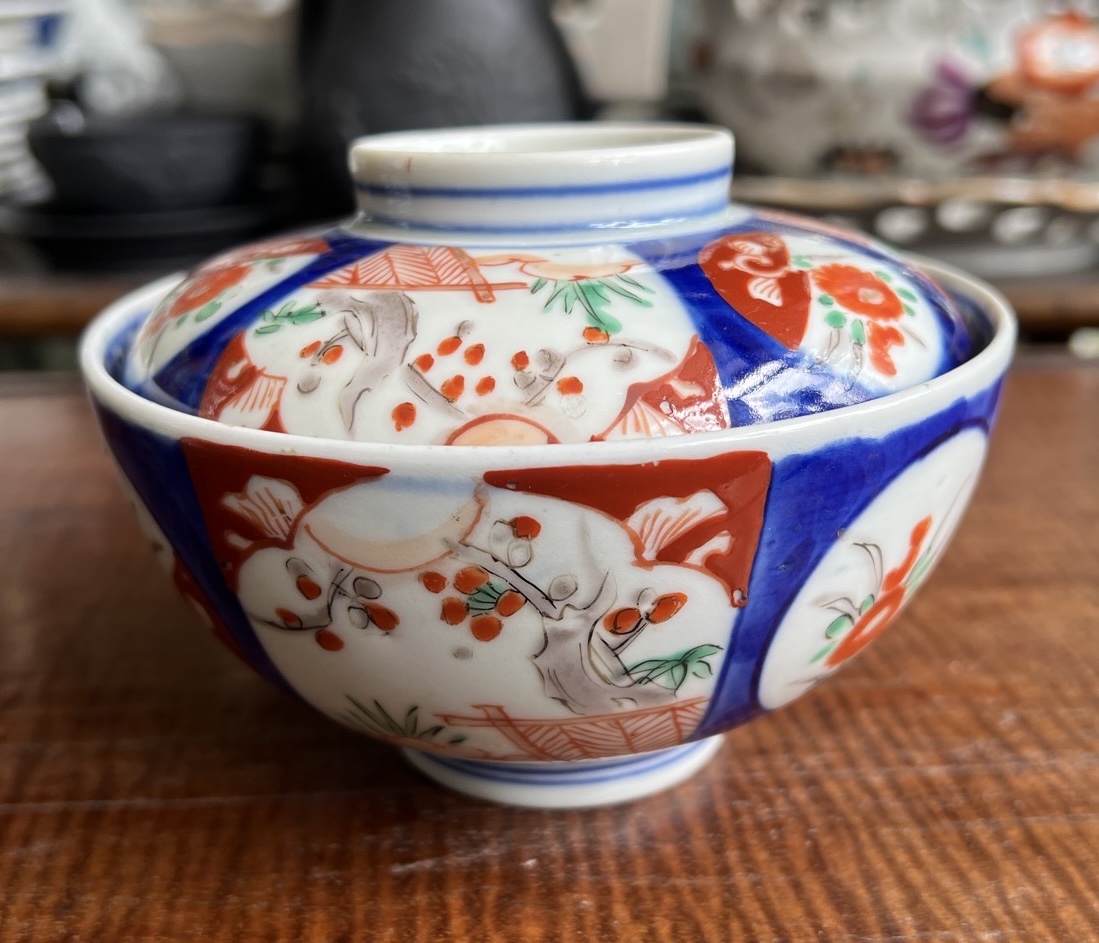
(368,714)
(457,738)
(208,310)
(826,299)
(592,303)
(837,625)
(835,319)
(595,287)
(651,670)
(909,311)
(483,599)
(677,676)
(626,293)
(906,294)
(304,317)
(858,331)
(884,276)
(824,651)
(390,723)
(919,571)
(702,669)
(673,671)
(866,604)
(538,286)
(560,288)
(268,328)
(636,284)
(802,261)
(605,322)
(701,651)
(411,720)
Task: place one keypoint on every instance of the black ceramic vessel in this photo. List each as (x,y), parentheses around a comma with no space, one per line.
(394,65)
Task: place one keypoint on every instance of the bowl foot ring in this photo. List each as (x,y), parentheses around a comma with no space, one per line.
(568,785)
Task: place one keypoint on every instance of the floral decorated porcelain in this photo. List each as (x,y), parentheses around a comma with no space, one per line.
(926,89)
(551,465)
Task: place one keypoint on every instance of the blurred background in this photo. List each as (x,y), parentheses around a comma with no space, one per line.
(138,137)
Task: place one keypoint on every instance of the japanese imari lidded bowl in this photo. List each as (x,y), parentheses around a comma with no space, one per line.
(552,464)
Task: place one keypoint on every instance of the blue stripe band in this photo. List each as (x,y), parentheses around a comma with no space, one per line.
(593,189)
(571,774)
(625,225)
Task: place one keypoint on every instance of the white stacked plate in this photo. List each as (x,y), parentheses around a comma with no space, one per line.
(28,33)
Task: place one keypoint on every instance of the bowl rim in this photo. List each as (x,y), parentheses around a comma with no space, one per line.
(590,153)
(965,380)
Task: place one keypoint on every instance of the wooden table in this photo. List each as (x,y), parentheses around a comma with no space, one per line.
(943,788)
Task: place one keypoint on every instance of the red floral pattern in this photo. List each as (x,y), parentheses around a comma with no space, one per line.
(885,607)
(859,291)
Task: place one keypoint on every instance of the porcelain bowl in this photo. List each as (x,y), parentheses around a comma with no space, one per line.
(557,625)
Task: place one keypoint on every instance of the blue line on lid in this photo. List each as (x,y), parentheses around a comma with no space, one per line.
(625,226)
(592,189)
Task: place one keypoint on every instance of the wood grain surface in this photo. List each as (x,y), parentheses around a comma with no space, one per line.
(945,787)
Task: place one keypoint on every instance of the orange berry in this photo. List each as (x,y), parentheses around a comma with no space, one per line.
(449,345)
(403,415)
(520,361)
(525,527)
(509,603)
(570,385)
(290,619)
(424,362)
(453,388)
(596,335)
(485,385)
(470,579)
(433,582)
(385,619)
(667,606)
(329,641)
(454,611)
(474,354)
(307,587)
(485,628)
(622,621)
(334,353)
(309,349)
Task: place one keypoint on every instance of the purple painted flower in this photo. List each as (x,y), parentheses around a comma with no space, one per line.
(943,109)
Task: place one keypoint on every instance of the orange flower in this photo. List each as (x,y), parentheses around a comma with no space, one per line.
(880,615)
(858,291)
(880,338)
(207,286)
(871,624)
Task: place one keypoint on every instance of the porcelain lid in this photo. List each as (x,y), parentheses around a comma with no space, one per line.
(539,285)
